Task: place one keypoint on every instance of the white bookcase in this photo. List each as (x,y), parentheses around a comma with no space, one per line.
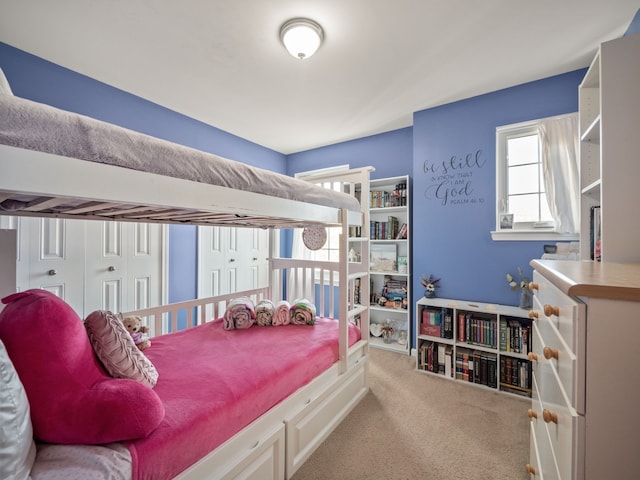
(609,112)
(390,263)
(485,345)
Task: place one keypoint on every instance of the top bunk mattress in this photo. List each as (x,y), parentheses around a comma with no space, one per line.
(38,127)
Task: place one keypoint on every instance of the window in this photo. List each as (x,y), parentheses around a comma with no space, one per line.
(331,249)
(536,178)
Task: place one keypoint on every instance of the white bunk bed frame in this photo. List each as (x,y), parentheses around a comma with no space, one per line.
(277,443)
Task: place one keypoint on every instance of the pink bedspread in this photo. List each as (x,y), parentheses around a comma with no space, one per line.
(214,382)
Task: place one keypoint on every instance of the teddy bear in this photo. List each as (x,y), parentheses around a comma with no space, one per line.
(137,330)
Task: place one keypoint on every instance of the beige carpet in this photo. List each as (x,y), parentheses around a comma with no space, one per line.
(416,426)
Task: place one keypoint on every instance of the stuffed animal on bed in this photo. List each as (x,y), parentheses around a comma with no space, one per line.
(137,330)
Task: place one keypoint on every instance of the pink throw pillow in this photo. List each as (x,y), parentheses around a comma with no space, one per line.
(72,398)
(116,349)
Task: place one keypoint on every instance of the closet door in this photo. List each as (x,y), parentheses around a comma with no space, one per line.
(258,258)
(231,259)
(51,257)
(123,266)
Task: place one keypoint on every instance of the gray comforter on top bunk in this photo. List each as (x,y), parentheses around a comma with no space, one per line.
(36,126)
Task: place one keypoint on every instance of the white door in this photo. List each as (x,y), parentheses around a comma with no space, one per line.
(210,261)
(231,259)
(123,266)
(51,257)
(259,258)
(92,265)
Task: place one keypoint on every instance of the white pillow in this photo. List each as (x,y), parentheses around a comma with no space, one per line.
(17,448)
(115,348)
(4,84)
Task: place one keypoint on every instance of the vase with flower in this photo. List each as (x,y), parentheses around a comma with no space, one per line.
(430,284)
(522,285)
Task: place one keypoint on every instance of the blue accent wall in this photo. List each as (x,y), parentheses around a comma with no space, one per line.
(390,153)
(454,189)
(634,27)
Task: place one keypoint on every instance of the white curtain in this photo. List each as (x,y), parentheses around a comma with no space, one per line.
(559,143)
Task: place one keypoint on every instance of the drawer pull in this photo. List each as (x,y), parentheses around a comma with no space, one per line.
(533,286)
(549,310)
(532,413)
(255,444)
(531,469)
(550,353)
(532,356)
(533,314)
(549,416)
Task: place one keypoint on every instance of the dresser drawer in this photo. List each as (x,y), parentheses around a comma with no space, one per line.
(565,313)
(541,455)
(549,346)
(561,339)
(560,421)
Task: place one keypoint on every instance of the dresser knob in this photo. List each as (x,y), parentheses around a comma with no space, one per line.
(549,416)
(533,314)
(531,470)
(533,286)
(550,353)
(532,356)
(549,310)
(532,413)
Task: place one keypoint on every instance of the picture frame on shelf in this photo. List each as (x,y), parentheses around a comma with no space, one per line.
(383,257)
(506,221)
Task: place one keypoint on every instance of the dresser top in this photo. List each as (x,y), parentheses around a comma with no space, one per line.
(616,281)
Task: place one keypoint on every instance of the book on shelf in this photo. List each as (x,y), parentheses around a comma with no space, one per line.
(515,376)
(515,334)
(480,330)
(388,230)
(437,323)
(402,232)
(448,361)
(595,233)
(384,198)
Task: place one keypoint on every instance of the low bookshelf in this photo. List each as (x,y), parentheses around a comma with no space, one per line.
(482,344)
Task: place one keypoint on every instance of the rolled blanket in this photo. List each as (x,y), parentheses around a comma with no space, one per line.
(302,312)
(264,313)
(240,313)
(281,313)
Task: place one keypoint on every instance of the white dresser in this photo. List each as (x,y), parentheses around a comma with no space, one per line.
(586,384)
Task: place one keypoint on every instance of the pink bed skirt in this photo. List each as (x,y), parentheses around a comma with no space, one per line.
(215,382)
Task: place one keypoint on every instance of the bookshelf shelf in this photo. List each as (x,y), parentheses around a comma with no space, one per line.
(482,344)
(389,263)
(609,112)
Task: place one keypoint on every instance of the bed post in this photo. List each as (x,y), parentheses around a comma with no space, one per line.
(343,279)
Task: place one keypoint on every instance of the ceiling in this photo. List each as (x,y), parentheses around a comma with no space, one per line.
(221,61)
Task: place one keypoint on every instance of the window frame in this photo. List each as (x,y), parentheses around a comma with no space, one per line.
(520,230)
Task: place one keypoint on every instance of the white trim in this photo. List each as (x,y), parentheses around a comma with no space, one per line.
(533,235)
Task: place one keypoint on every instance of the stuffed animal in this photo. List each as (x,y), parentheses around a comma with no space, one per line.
(137,330)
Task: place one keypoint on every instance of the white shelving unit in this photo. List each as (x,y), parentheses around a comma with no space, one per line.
(390,263)
(609,112)
(480,344)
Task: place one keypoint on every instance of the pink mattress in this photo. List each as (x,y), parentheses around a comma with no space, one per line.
(215,382)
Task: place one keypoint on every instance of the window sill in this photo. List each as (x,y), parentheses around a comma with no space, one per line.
(533,235)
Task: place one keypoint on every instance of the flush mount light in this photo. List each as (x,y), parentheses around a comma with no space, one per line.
(301,37)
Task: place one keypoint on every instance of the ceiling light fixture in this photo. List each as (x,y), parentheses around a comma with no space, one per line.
(301,37)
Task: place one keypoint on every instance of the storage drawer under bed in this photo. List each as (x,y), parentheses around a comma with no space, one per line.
(311,425)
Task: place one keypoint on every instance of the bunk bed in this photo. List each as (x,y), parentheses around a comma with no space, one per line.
(59,164)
